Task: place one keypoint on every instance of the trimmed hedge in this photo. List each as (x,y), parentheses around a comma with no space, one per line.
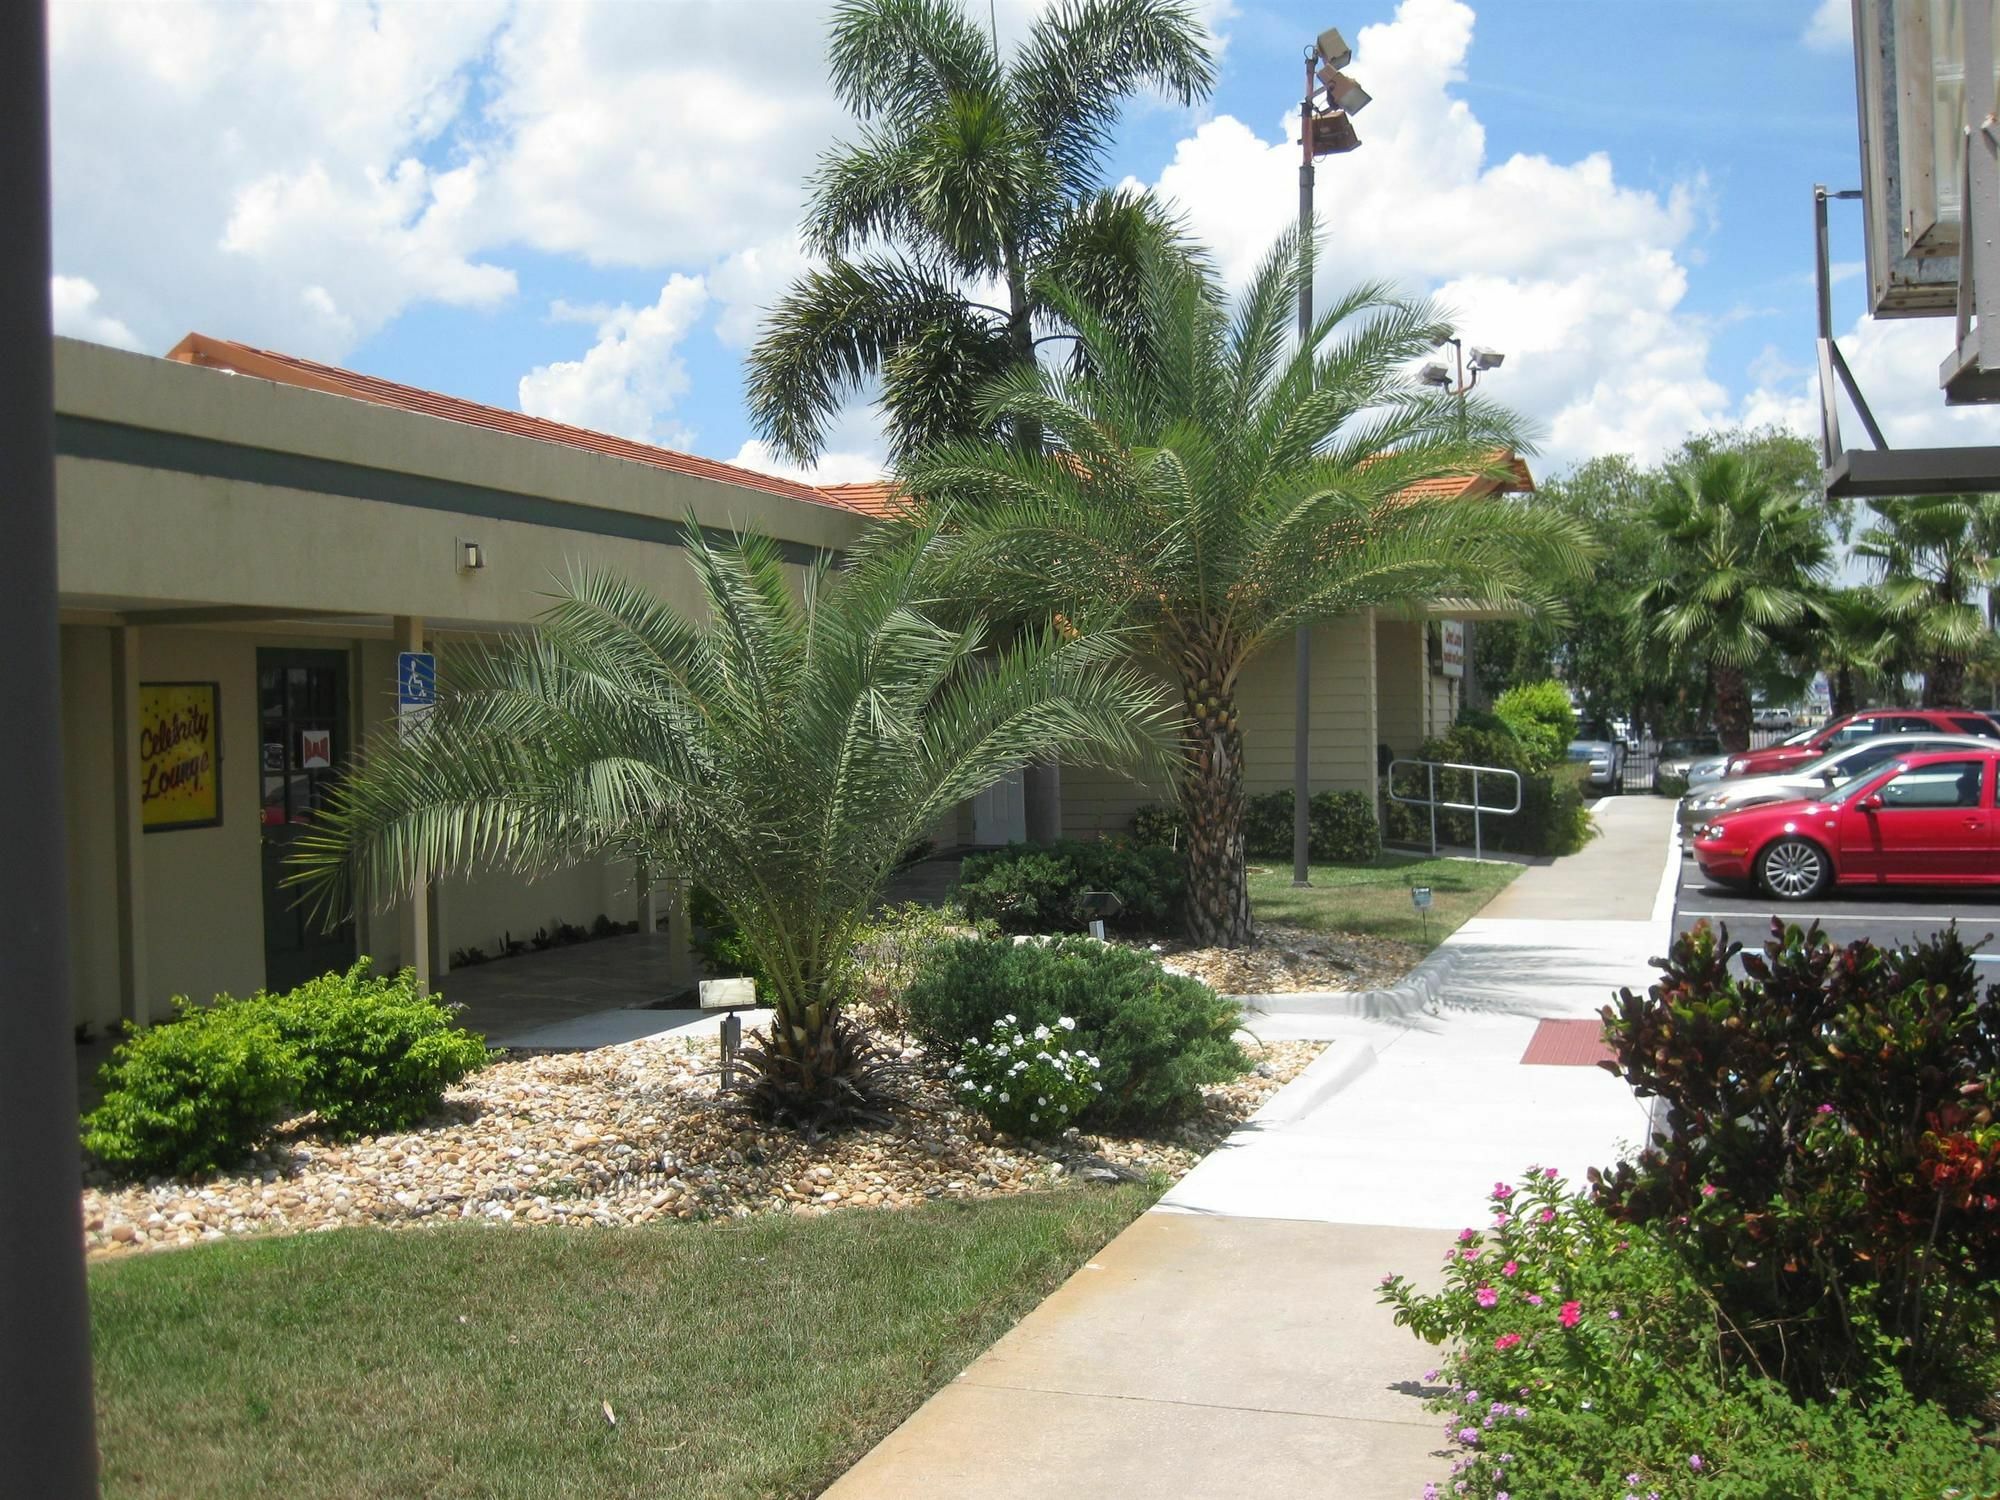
(1343,827)
(1039,888)
(1158,1037)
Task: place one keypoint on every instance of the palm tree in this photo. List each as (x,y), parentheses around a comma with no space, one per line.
(1740,569)
(1216,488)
(970,173)
(1857,643)
(784,754)
(1933,556)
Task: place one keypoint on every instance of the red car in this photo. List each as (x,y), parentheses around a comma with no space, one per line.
(1861,726)
(1927,818)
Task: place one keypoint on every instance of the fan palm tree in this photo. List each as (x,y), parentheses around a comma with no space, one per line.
(1216,487)
(783,754)
(1934,555)
(969,173)
(1857,643)
(1740,569)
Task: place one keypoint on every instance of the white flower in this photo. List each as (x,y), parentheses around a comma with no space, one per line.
(1043,1101)
(1067,1024)
(1010,1021)
(1041,1033)
(1032,1118)
(1003,1098)
(1096,1085)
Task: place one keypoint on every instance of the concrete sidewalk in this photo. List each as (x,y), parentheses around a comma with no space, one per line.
(1229,1342)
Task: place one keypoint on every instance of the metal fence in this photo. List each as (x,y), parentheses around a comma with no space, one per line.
(1641,765)
(1477,806)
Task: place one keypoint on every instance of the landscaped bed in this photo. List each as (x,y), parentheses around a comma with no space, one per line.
(759,1358)
(631,1135)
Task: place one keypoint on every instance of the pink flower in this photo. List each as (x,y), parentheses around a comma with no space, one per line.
(1506,1341)
(1548,1216)
(1502,1192)
(1708,1190)
(1500,1221)
(1486,1296)
(1512,1268)
(1533,1301)
(1826,1109)
(1468,1253)
(1694,1462)
(1465,1236)
(1549,1173)
(1571,1313)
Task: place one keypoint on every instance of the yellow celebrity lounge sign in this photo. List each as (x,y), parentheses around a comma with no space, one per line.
(179,759)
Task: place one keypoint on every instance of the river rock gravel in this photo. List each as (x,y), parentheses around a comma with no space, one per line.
(631,1135)
(1283,960)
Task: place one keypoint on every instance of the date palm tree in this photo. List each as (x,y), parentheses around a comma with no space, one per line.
(970,173)
(1740,570)
(783,752)
(1216,485)
(1936,557)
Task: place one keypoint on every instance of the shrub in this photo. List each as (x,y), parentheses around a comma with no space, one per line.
(1267,824)
(193,1094)
(1344,830)
(1040,888)
(1831,1165)
(1020,1085)
(1541,718)
(891,950)
(373,1055)
(718,941)
(1157,826)
(1158,1037)
(1586,1362)
(1553,818)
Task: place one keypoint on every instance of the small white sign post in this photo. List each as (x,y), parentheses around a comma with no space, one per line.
(731,995)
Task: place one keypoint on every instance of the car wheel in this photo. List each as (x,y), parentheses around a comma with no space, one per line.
(1794,869)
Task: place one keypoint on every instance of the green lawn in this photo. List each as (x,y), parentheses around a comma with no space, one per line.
(752,1359)
(1375,898)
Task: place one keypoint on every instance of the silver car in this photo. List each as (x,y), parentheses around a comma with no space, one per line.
(1606,757)
(1680,755)
(1703,804)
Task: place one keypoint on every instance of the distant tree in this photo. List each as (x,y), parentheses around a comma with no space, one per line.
(1737,574)
(1936,558)
(1857,644)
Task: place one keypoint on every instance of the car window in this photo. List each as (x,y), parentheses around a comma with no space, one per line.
(1975,724)
(1860,729)
(1948,783)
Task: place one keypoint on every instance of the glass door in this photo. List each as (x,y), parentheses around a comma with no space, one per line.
(302,725)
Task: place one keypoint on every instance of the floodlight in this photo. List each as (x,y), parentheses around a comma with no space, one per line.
(1332,134)
(1343,91)
(1333,49)
(1434,373)
(1484,359)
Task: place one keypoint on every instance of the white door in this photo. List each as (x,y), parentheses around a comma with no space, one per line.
(1000,813)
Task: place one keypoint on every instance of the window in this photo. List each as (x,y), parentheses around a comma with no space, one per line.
(1860,729)
(1975,724)
(1950,783)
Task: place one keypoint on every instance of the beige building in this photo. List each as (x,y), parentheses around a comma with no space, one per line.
(248,541)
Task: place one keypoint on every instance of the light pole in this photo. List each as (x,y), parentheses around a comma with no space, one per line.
(1322,132)
(1454,381)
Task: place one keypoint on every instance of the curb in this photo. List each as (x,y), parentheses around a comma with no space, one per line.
(1420,989)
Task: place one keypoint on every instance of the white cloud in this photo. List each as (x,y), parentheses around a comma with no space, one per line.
(832,468)
(73,305)
(630,378)
(1895,362)
(1831,28)
(1578,277)
(747,283)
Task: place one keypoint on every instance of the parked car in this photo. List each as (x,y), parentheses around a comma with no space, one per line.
(1813,779)
(1708,768)
(1679,755)
(1924,819)
(1853,728)
(1605,754)
(1771,718)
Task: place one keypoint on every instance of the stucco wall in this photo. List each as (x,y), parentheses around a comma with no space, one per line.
(1401,683)
(90,825)
(1342,730)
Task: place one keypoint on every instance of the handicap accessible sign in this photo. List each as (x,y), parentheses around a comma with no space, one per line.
(416,688)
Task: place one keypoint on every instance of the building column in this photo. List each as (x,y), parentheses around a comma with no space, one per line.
(413,923)
(128,829)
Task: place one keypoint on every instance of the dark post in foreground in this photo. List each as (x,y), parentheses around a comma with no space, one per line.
(46,1444)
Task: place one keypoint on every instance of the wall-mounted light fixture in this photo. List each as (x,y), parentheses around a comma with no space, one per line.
(471,557)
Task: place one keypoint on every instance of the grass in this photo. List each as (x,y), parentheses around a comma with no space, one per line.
(760,1358)
(1375,898)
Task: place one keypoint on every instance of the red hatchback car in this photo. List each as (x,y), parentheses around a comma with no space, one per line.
(1924,819)
(1861,726)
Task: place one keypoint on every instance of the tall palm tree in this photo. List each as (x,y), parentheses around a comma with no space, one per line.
(1857,643)
(1216,487)
(970,173)
(1934,556)
(1739,571)
(783,753)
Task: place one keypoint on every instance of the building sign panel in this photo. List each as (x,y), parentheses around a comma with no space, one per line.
(416,690)
(315,749)
(180,756)
(1452,636)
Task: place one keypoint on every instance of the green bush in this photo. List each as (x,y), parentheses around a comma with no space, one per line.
(1267,824)
(1030,888)
(373,1055)
(1158,1037)
(1586,1363)
(1831,1161)
(1342,825)
(1553,818)
(890,952)
(1028,1081)
(193,1094)
(1159,826)
(1541,718)
(718,941)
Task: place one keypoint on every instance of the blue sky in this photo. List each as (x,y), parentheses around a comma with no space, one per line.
(582,209)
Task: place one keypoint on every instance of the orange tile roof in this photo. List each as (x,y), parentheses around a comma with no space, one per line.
(287,369)
(875,497)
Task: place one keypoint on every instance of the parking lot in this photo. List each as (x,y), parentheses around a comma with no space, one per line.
(1847,913)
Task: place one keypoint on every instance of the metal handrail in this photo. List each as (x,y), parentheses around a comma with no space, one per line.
(1475,806)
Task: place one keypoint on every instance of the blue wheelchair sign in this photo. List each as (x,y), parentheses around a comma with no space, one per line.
(416,680)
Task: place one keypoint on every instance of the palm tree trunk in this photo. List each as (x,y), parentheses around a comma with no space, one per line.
(1944,683)
(1843,691)
(1041,782)
(1732,706)
(1218,891)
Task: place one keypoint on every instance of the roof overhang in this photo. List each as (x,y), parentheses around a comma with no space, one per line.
(1870,473)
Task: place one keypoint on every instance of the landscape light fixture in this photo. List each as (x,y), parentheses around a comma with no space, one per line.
(1484,359)
(1333,49)
(1435,374)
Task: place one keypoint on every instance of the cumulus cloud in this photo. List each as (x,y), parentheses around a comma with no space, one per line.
(1895,362)
(1831,28)
(73,305)
(627,382)
(832,468)
(1579,277)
